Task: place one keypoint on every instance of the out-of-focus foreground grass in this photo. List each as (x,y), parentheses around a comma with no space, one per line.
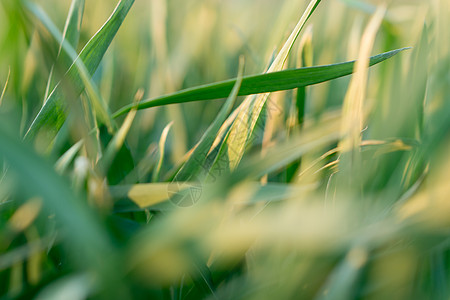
(338,190)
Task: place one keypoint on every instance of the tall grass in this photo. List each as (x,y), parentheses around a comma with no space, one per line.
(224,149)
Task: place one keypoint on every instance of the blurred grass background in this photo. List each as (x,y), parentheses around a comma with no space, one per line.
(342,195)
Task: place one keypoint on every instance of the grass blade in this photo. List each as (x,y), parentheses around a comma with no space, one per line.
(285,153)
(351,160)
(65,159)
(5,87)
(263,83)
(251,109)
(162,147)
(85,231)
(151,195)
(197,159)
(71,34)
(52,114)
(343,279)
(118,140)
(352,123)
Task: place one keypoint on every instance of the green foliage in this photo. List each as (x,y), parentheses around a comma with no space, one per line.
(313,186)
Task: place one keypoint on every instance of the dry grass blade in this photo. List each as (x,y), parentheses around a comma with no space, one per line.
(250,110)
(352,124)
(162,147)
(5,86)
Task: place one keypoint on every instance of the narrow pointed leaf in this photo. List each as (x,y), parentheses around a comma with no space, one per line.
(263,83)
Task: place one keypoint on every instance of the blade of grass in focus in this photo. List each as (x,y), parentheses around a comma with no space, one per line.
(264,83)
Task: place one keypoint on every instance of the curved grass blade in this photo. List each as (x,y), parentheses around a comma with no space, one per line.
(263,83)
(52,114)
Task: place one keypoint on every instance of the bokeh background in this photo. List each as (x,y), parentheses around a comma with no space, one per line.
(371,222)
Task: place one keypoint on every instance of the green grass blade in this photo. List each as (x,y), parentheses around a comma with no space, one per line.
(52,114)
(263,83)
(73,23)
(202,278)
(304,59)
(342,281)
(71,34)
(94,50)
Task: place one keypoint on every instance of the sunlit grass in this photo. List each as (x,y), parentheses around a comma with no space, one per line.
(220,149)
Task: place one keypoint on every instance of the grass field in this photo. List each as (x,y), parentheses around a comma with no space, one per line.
(257,149)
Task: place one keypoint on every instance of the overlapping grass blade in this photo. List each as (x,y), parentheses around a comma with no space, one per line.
(71,34)
(252,108)
(305,59)
(52,114)
(197,160)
